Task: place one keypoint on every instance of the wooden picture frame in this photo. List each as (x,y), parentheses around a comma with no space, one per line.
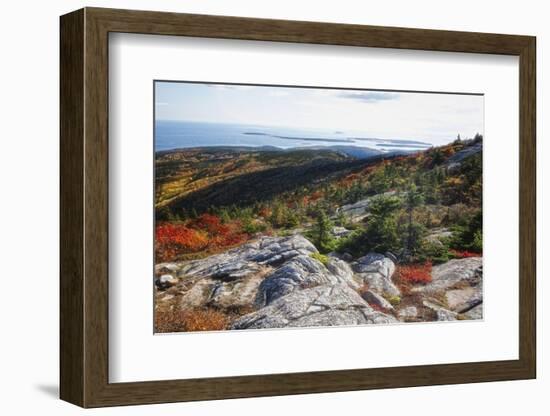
(84,207)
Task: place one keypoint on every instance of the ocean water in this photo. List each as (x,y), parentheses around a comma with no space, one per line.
(183,134)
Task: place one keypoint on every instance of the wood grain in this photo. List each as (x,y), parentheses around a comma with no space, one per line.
(84,207)
(71,100)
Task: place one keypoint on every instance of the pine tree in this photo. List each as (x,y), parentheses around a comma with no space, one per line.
(323,239)
(381,232)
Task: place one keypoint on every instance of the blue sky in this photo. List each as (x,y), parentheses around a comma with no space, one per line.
(435,118)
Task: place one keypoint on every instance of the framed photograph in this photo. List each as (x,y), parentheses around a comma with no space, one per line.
(291,207)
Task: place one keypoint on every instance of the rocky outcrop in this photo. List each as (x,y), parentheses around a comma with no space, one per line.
(442,314)
(436,236)
(376,300)
(455,160)
(342,256)
(446,275)
(462,300)
(355,212)
(375,263)
(358,211)
(410,312)
(446,315)
(459,284)
(343,272)
(278,283)
(247,259)
(376,271)
(231,279)
(238,294)
(302,272)
(340,232)
(165,281)
(325,305)
(474,313)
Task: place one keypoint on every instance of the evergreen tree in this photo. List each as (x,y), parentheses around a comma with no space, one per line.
(380,233)
(322,233)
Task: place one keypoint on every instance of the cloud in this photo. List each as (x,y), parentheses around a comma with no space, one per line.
(278,93)
(370,97)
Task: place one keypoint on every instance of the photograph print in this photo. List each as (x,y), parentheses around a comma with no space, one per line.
(292,207)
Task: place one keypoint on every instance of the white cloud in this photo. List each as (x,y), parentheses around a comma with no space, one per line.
(278,93)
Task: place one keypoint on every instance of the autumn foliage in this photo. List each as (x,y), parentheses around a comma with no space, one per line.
(172,239)
(415,273)
(206,319)
(463,254)
(205,232)
(221,235)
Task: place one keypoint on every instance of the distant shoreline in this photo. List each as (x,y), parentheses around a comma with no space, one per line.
(173,135)
(312,139)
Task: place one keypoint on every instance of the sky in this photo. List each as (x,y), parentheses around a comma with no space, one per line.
(434,118)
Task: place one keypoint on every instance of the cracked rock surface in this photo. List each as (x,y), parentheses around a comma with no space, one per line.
(459,282)
(325,305)
(247,259)
(302,272)
(376,271)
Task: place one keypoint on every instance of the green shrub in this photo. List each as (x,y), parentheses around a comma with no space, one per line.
(477,243)
(381,232)
(321,233)
(435,252)
(469,236)
(394,300)
(320,257)
(350,244)
(253,226)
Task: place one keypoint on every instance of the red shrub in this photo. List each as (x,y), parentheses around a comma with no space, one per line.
(172,239)
(415,273)
(210,223)
(180,234)
(229,236)
(205,233)
(463,254)
(377,307)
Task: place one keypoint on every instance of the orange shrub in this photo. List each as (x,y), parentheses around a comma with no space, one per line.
(204,320)
(172,239)
(315,196)
(221,235)
(449,151)
(415,273)
(206,232)
(210,223)
(230,237)
(265,212)
(190,321)
(349,179)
